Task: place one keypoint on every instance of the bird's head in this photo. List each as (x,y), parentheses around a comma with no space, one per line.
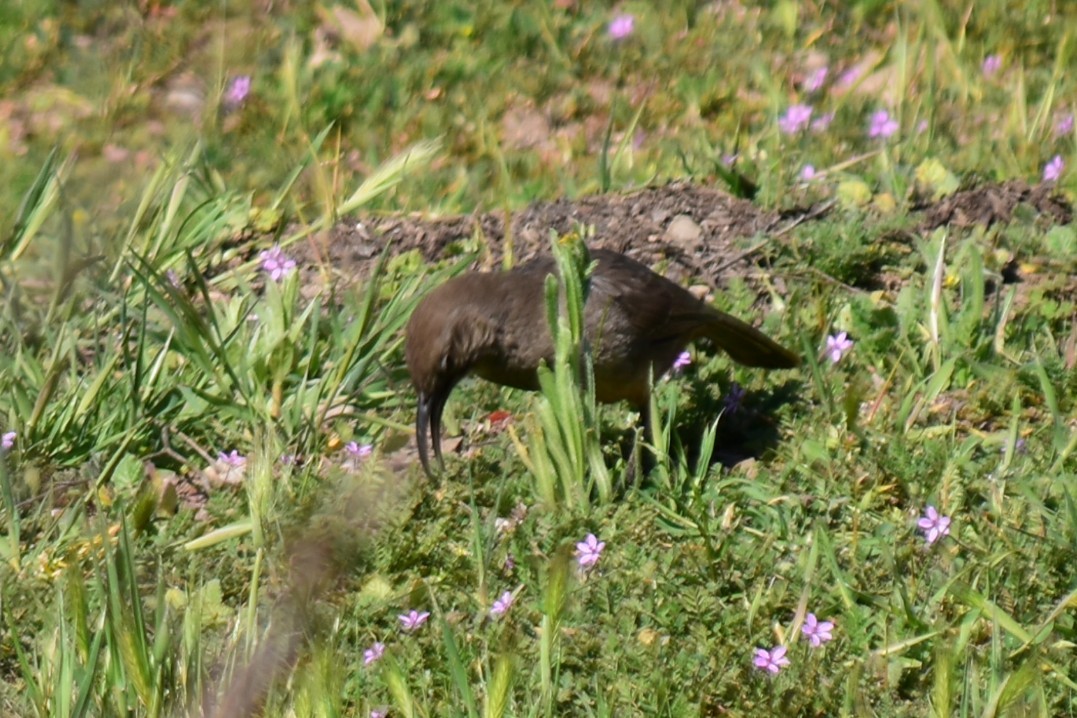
(447,333)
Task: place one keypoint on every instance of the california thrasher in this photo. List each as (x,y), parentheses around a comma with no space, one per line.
(495,325)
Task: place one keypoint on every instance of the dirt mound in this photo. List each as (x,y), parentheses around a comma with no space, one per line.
(996,203)
(700,232)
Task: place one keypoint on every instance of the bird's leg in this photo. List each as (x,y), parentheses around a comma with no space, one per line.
(640,459)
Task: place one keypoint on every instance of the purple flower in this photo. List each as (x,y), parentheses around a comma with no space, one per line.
(882,125)
(772,661)
(1053,169)
(991,65)
(230,468)
(358,451)
(7,440)
(1064,125)
(822,122)
(232,459)
(734,398)
(589,550)
(238,90)
(621,26)
(413,620)
(808,173)
(374,653)
(510,563)
(815,79)
(276,263)
(795,119)
(837,346)
(816,631)
(683,359)
(289,459)
(502,605)
(379,712)
(849,77)
(934,525)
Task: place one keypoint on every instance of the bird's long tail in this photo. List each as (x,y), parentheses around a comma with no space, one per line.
(744,343)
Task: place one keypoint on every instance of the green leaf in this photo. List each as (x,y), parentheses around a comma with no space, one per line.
(853,193)
(933,177)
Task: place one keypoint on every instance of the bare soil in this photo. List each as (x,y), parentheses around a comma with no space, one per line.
(696,232)
(996,203)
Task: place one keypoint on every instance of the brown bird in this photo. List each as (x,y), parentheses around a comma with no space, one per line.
(495,325)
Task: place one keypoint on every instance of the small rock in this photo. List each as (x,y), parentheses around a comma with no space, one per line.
(684,231)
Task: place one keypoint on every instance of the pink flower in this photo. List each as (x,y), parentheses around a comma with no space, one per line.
(795,119)
(772,661)
(816,631)
(1064,126)
(882,125)
(276,263)
(991,65)
(815,80)
(849,77)
(232,459)
(808,173)
(502,605)
(1053,169)
(413,620)
(358,451)
(921,127)
(683,359)
(589,550)
(822,122)
(621,26)
(837,346)
(230,468)
(934,525)
(7,440)
(374,653)
(379,712)
(238,90)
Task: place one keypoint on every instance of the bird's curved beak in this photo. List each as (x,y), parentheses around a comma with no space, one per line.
(428,425)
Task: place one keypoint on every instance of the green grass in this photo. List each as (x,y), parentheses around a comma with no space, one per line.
(140,339)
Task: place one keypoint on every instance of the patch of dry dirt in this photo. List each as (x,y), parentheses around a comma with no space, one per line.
(701,233)
(996,203)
